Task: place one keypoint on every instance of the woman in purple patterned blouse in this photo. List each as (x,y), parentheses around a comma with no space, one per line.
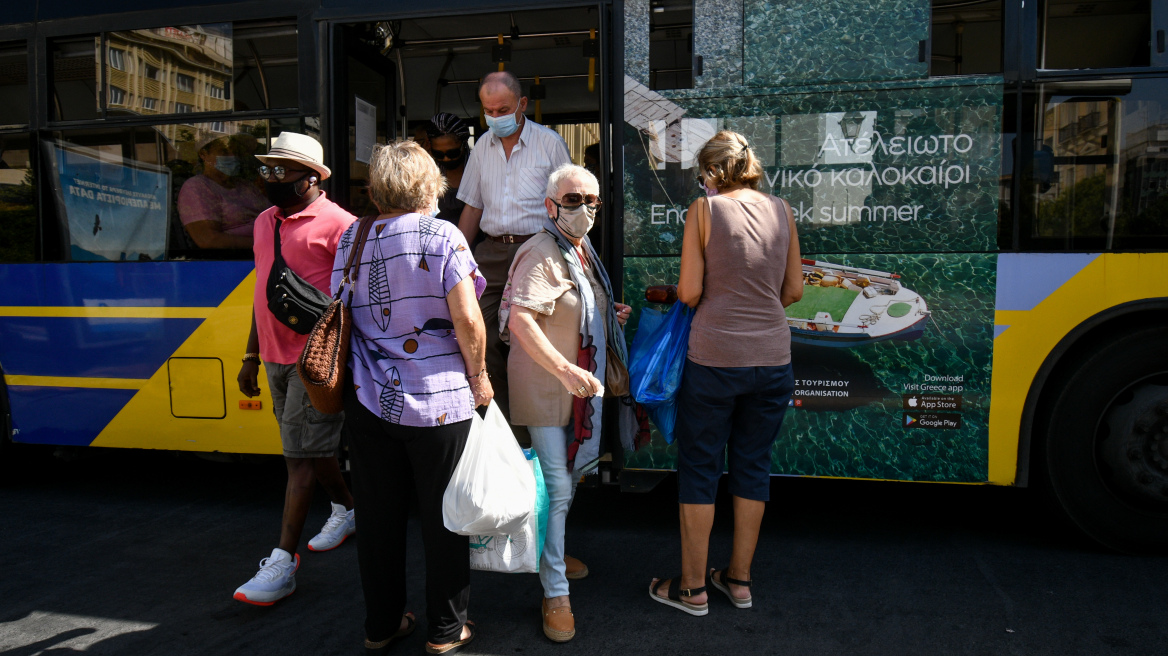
(417,374)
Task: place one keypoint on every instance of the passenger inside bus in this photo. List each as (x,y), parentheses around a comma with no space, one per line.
(413,70)
(448,137)
(219,205)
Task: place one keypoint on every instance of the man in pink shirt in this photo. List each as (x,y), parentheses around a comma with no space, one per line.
(310,226)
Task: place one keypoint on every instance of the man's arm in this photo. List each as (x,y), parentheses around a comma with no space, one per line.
(468,222)
(249,373)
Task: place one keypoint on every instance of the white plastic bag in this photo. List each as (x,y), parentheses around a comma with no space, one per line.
(492,491)
(517,553)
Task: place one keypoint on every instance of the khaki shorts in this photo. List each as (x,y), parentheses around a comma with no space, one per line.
(304,432)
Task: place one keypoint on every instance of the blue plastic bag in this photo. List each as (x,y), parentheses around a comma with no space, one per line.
(656,362)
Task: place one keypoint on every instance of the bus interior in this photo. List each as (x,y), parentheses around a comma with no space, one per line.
(406,71)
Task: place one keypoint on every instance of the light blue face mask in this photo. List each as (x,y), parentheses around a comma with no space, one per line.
(502,126)
(228,165)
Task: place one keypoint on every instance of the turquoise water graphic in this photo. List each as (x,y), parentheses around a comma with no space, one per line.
(870,441)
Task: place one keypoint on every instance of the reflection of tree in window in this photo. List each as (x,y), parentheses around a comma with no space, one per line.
(17,204)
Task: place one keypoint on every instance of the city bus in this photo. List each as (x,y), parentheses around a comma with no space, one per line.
(980,189)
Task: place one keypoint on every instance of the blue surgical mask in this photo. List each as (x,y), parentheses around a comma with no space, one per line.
(502,126)
(228,165)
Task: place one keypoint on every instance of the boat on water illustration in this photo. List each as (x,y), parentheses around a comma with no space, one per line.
(846,306)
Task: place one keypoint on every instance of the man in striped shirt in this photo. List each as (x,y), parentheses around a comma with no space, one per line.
(503,187)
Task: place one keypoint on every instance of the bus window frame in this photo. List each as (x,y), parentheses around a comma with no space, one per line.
(39,37)
(306,46)
(611,106)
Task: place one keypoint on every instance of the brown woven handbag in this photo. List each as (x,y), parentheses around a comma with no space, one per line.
(326,355)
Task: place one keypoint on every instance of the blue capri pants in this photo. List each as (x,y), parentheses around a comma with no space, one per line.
(741,408)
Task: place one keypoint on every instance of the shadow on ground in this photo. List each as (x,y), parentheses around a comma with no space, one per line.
(118,552)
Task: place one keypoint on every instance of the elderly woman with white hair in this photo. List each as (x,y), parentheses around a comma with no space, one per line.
(416,375)
(564,326)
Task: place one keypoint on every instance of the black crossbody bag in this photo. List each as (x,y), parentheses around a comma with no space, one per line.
(294,301)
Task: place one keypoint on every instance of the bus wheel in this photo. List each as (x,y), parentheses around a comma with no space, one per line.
(1107,443)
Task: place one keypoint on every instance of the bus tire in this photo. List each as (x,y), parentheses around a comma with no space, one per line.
(1106,442)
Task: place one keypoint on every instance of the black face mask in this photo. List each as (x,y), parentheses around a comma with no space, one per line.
(284,194)
(449,164)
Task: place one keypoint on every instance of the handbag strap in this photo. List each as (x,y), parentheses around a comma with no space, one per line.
(278,259)
(353,265)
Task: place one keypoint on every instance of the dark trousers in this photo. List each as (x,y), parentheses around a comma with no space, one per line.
(387,459)
(494,260)
(735,409)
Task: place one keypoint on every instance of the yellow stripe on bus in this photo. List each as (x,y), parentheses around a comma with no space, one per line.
(76,381)
(108,312)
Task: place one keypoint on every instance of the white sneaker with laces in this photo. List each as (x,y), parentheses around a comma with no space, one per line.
(275,580)
(340,525)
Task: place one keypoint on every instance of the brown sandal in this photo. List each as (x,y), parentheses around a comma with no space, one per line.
(382,647)
(453,647)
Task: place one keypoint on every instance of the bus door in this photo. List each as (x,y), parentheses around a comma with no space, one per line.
(389,77)
(363,111)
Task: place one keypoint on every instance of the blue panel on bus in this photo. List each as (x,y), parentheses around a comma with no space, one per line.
(138,284)
(64,415)
(22,284)
(95,348)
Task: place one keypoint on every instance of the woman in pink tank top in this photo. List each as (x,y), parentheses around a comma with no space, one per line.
(740,266)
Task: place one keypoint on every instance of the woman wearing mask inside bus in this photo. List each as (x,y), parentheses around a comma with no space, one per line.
(740,267)
(219,206)
(448,137)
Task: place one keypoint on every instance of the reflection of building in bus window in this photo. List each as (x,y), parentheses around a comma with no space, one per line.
(219,205)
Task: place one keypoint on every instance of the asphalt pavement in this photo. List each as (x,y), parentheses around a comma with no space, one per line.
(120,552)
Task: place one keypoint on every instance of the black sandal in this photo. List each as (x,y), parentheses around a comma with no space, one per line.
(452,647)
(382,647)
(675,596)
(713,579)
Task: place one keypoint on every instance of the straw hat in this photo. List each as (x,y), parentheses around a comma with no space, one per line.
(298,148)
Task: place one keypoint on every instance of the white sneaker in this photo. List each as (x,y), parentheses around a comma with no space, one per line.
(275,580)
(339,526)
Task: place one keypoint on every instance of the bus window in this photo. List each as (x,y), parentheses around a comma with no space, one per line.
(17,200)
(1074,34)
(966,38)
(13,84)
(74,78)
(182,191)
(169,70)
(671,44)
(265,65)
(1100,171)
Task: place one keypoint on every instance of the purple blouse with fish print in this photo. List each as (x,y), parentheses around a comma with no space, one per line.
(405,360)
